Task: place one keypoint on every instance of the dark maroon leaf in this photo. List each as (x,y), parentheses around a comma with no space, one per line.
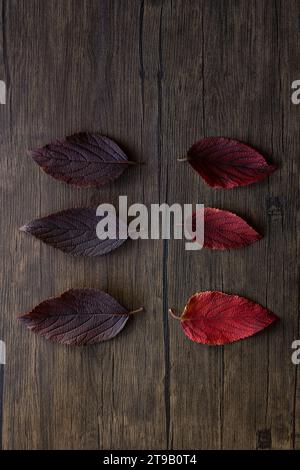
(78,317)
(74,231)
(83,159)
(227,163)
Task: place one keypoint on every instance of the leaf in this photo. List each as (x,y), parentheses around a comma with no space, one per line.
(82,159)
(216,318)
(78,317)
(74,231)
(227,163)
(224,230)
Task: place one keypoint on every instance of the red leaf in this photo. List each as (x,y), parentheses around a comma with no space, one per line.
(227,163)
(78,317)
(224,230)
(82,159)
(216,318)
(74,231)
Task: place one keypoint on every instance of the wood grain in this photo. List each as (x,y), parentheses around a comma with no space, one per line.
(155,75)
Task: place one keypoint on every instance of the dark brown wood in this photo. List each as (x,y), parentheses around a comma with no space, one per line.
(155,76)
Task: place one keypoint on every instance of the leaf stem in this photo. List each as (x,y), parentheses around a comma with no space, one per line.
(141,309)
(123,162)
(173,315)
(134,163)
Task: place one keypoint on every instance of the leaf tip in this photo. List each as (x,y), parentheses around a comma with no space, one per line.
(273,168)
(33,153)
(24,228)
(22,318)
(273,318)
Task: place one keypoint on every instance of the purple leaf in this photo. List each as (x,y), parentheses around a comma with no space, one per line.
(74,231)
(82,159)
(78,317)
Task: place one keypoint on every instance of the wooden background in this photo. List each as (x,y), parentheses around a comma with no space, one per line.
(155,75)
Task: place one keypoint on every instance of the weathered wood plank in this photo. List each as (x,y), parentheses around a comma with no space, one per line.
(155,75)
(285,375)
(194,372)
(222,79)
(5,126)
(77,66)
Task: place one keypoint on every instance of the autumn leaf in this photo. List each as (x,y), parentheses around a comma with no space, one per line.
(74,231)
(217,318)
(78,317)
(227,163)
(82,159)
(224,230)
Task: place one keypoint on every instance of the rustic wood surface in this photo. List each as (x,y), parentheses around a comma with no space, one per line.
(155,75)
